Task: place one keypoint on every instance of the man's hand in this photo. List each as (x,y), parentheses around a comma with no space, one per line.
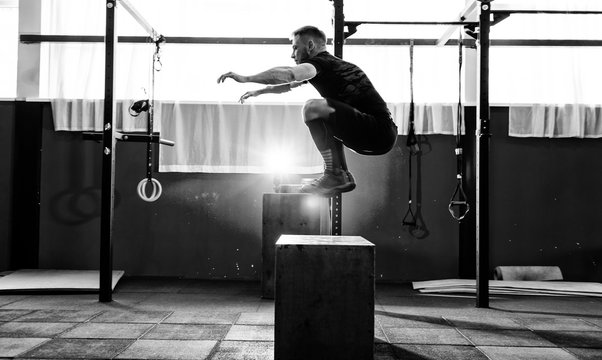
(232,75)
(249,94)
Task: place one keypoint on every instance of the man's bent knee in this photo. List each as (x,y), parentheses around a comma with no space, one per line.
(316,109)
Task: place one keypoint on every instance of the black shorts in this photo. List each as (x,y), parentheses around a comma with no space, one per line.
(363,133)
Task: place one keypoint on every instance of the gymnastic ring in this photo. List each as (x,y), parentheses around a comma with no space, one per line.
(157,189)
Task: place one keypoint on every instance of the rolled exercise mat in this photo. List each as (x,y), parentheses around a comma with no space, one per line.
(529,273)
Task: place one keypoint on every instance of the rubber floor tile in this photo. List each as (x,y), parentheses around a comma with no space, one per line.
(589,339)
(75,302)
(266,305)
(557,324)
(425,336)
(384,352)
(11,347)
(410,321)
(437,352)
(489,323)
(379,335)
(8,299)
(187,332)
(9,315)
(586,354)
(150,285)
(78,349)
(552,305)
(505,337)
(33,329)
(244,350)
(107,331)
(198,302)
(255,318)
(150,317)
(594,321)
(195,317)
(169,349)
(59,315)
(54,302)
(250,333)
(525,353)
(224,288)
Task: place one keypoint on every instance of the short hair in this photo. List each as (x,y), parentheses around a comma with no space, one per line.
(312,32)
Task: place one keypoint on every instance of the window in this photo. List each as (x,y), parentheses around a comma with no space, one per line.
(518,74)
(9,20)
(190,71)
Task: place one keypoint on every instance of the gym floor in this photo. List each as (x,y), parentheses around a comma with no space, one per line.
(188,319)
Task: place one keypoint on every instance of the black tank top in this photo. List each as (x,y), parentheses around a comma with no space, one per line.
(343,81)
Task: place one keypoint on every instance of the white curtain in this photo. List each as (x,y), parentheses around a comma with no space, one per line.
(556,121)
(234,138)
(88,114)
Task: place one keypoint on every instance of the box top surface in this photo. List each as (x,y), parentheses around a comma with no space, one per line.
(309,240)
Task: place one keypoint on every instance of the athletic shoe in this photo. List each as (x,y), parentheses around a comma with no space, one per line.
(330,184)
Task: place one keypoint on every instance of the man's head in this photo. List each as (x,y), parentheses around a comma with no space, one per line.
(308,41)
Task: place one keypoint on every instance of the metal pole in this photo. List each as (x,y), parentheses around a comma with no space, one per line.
(336,203)
(482,158)
(108,160)
(339,28)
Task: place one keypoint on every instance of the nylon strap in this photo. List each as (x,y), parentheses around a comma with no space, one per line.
(409,218)
(151,111)
(412,141)
(458,205)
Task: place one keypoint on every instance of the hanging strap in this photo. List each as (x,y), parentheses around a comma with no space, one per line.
(409,218)
(149,180)
(412,141)
(458,205)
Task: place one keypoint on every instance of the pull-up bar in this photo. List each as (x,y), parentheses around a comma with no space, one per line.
(355,23)
(352,25)
(556,12)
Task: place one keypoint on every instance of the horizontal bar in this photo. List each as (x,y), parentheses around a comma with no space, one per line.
(549,43)
(402,42)
(31,38)
(284,41)
(134,137)
(559,12)
(459,23)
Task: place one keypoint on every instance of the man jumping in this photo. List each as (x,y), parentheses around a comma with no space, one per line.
(351,112)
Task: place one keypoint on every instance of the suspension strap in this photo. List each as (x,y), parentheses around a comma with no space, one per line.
(458,205)
(409,218)
(412,141)
(156,185)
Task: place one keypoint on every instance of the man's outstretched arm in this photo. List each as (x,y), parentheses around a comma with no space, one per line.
(277,75)
(272,89)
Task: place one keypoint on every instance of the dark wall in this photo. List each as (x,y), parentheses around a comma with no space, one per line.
(7,124)
(209,225)
(546,203)
(544,207)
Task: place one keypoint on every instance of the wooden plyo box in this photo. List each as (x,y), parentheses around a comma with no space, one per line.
(288,213)
(324,298)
